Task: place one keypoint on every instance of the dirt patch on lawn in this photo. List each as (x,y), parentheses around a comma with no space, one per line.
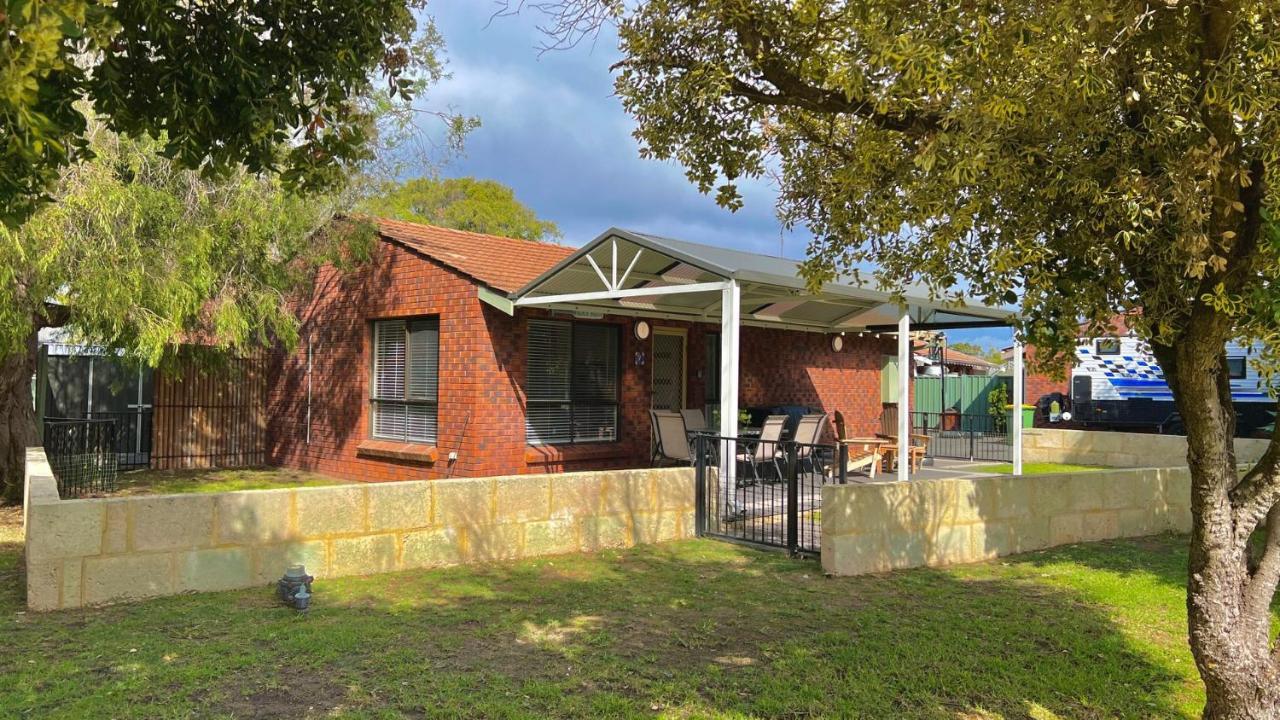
(292,693)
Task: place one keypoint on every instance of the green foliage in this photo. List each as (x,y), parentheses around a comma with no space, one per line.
(267,84)
(138,253)
(998,407)
(1086,157)
(483,206)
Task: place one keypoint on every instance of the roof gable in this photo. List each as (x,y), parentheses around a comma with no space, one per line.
(502,263)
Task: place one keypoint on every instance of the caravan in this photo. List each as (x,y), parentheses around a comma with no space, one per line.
(1117,384)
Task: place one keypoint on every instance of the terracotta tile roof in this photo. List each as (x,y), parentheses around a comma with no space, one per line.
(504,264)
(955,357)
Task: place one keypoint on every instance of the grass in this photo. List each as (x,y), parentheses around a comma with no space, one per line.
(169,482)
(689,629)
(1038,468)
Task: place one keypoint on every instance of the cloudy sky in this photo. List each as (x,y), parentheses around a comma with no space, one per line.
(553,130)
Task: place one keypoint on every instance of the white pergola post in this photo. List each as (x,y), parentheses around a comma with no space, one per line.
(730,326)
(1017,407)
(905,368)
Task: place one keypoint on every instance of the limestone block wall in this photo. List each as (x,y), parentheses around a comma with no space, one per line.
(1118,449)
(875,527)
(92,551)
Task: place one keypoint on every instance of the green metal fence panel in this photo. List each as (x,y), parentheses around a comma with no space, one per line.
(965,393)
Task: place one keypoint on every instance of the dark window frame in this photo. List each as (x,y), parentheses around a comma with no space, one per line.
(375,402)
(1097,346)
(1237,374)
(573,402)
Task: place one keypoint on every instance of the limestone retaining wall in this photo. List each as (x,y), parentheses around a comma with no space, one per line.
(91,551)
(875,527)
(1118,449)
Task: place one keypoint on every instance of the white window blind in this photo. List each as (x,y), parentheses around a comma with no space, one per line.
(406,368)
(571,383)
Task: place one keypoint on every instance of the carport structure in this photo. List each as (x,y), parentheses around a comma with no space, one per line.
(622,272)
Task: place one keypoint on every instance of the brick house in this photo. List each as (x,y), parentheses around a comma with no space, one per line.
(459,354)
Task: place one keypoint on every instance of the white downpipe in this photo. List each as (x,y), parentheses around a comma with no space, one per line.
(730,327)
(88,395)
(309,356)
(904,395)
(1017,407)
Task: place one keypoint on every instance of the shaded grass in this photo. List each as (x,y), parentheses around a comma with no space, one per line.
(168,482)
(688,629)
(1038,468)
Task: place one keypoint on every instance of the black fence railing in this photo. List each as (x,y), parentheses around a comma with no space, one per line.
(965,436)
(82,454)
(133,436)
(764,492)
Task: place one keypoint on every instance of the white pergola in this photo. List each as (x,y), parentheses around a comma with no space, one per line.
(634,274)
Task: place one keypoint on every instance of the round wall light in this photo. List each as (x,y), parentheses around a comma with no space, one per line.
(837,343)
(642,330)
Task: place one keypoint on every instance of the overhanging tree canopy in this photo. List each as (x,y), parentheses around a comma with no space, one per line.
(1087,156)
(225,84)
(212,118)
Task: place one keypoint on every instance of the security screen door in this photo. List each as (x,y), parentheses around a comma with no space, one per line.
(668,369)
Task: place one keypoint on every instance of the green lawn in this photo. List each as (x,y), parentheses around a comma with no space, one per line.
(690,629)
(167,482)
(1040,468)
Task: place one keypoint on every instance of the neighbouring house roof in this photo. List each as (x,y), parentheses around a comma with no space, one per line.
(502,263)
(955,357)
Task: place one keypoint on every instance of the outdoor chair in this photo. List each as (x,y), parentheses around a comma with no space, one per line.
(808,434)
(763,451)
(861,455)
(671,441)
(695,421)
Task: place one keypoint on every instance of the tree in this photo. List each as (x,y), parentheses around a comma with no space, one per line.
(211,119)
(483,206)
(268,84)
(139,254)
(991,355)
(1084,157)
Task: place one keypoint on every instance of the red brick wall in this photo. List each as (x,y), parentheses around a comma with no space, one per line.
(482,367)
(1039,381)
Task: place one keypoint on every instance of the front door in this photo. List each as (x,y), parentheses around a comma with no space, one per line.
(668,369)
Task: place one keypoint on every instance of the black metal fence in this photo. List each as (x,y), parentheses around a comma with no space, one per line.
(133,436)
(765,493)
(965,436)
(82,454)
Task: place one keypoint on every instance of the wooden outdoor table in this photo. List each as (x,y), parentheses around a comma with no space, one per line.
(888,448)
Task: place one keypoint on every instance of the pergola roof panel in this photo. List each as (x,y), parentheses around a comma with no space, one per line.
(611,272)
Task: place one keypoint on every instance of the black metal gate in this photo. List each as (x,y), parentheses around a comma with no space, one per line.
(763,493)
(82,454)
(965,436)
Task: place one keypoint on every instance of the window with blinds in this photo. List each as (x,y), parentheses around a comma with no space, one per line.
(571,383)
(406,369)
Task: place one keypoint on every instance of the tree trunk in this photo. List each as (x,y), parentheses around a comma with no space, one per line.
(1228,625)
(17,418)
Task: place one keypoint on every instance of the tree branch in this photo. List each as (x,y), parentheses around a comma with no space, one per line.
(1258,491)
(794,91)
